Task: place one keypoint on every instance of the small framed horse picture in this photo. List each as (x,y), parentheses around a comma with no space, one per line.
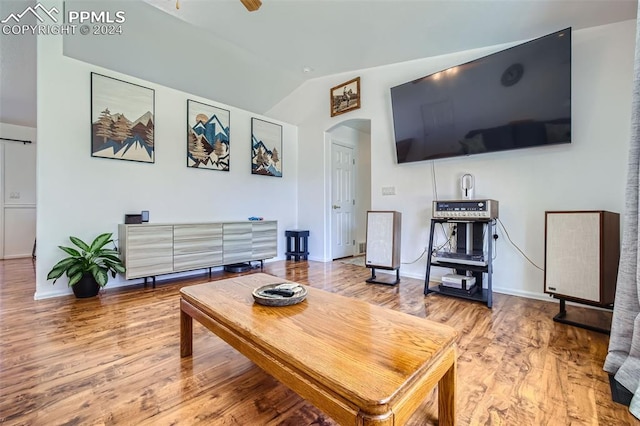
(345,97)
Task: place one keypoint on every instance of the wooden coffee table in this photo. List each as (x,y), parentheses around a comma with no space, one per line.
(359,363)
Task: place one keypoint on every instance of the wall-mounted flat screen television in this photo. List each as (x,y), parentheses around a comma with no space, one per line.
(516,98)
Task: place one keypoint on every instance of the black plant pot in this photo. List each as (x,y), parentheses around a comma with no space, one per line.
(86,287)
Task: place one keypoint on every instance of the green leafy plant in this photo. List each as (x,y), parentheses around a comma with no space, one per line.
(93,259)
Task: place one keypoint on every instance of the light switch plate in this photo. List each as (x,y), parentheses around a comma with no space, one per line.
(388,190)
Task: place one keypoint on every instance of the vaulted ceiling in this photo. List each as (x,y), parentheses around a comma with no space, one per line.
(252,60)
(337,36)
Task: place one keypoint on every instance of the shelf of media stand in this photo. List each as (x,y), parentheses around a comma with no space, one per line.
(452,265)
(477,239)
(480,296)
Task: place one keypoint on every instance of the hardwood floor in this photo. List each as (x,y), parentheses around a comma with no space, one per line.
(116,359)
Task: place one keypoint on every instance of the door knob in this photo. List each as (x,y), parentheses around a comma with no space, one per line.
(335,207)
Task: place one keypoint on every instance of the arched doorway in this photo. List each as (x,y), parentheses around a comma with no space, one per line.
(349,144)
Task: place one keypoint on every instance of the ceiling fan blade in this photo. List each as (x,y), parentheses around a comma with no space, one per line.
(252,5)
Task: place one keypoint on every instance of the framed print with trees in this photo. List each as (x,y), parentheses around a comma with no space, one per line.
(122,120)
(266,148)
(207,136)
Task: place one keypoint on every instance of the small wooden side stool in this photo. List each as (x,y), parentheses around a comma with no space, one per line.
(300,240)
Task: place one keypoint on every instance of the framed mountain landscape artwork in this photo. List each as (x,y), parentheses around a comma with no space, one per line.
(122,120)
(207,136)
(266,148)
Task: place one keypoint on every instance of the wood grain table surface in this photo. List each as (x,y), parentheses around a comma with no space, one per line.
(360,363)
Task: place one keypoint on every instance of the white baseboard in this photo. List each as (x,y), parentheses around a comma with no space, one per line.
(17,256)
(527,294)
(508,291)
(41,295)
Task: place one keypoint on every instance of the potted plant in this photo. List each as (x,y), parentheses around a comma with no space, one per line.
(88,268)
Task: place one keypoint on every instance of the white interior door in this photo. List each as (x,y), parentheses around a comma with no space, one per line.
(17,191)
(342,201)
(18,199)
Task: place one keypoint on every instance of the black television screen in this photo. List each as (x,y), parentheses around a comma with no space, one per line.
(516,98)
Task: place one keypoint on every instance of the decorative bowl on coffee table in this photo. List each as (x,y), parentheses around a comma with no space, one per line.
(279,294)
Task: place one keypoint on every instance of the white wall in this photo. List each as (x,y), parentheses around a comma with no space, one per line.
(84,196)
(211,59)
(17,191)
(587,174)
(363,185)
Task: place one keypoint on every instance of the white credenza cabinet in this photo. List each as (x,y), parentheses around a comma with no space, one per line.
(148,250)
(196,246)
